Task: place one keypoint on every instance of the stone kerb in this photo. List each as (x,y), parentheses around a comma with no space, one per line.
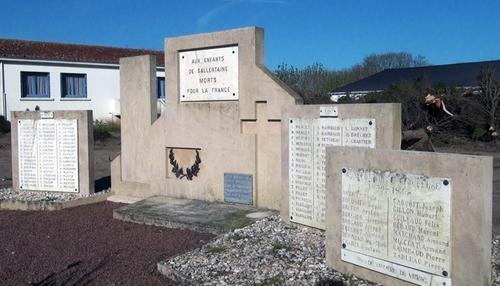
(383,120)
(72,165)
(400,216)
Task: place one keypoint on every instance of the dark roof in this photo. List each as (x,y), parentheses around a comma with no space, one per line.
(458,75)
(20,49)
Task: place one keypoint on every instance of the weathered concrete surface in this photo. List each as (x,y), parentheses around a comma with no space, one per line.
(85,145)
(231,136)
(202,216)
(142,72)
(388,132)
(51,206)
(471,206)
(123,199)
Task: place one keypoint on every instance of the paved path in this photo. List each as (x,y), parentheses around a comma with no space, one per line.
(211,217)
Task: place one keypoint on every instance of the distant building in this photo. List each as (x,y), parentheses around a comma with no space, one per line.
(57,76)
(462,75)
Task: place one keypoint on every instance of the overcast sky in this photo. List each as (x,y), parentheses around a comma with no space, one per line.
(337,34)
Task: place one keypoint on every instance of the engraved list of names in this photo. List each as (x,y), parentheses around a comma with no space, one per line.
(48,155)
(398,224)
(209,74)
(307,182)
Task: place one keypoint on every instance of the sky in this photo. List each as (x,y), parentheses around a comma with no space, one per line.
(337,34)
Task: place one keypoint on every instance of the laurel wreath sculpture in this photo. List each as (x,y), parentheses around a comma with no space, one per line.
(190,171)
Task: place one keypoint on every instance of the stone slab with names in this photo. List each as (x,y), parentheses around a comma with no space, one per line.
(397,217)
(309,132)
(51,151)
(209,74)
(238,188)
(403,219)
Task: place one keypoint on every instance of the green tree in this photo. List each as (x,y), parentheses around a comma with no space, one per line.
(315,80)
(378,62)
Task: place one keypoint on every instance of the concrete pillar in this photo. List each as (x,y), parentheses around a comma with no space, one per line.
(138,112)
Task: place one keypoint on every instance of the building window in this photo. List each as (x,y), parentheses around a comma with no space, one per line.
(73,85)
(35,85)
(160,81)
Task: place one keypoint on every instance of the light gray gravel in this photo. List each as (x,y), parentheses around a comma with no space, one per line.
(10,194)
(495,261)
(270,252)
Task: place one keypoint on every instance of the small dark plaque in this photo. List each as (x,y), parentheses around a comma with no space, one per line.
(238,188)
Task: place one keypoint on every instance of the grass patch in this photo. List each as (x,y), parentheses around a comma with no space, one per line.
(274,281)
(237,221)
(237,237)
(106,129)
(277,246)
(216,249)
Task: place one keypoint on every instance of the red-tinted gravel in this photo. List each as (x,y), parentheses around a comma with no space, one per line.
(86,246)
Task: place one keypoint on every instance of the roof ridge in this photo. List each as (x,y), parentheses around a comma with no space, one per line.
(456,74)
(445,65)
(40,50)
(78,45)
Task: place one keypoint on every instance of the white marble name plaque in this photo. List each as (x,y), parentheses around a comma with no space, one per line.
(48,155)
(401,219)
(395,270)
(209,74)
(308,139)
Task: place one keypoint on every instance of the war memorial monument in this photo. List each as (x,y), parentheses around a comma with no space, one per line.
(233,134)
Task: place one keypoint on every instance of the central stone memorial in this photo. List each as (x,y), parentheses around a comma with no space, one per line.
(219,138)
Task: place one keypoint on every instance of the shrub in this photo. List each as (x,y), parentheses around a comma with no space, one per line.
(468,119)
(106,129)
(216,249)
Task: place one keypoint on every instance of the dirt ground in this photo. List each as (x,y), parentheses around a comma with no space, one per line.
(86,246)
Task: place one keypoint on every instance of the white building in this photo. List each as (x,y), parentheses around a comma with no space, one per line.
(55,76)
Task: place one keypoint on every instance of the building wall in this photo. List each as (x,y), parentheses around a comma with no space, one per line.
(103,87)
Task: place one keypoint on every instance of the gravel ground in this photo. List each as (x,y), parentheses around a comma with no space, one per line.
(10,194)
(271,252)
(266,252)
(495,261)
(86,246)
